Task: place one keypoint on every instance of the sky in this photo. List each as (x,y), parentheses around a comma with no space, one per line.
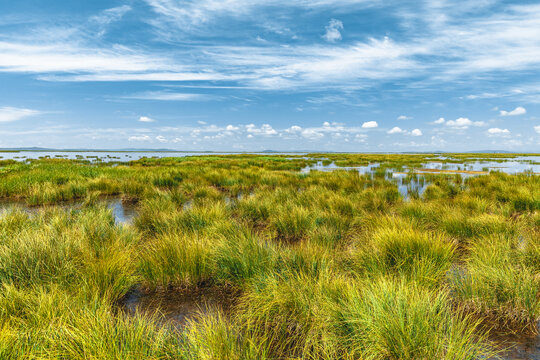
(245,75)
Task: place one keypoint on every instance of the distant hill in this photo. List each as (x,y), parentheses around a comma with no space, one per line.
(489,152)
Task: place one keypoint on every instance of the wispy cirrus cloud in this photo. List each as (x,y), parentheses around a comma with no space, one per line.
(72,58)
(442,54)
(167,96)
(187,14)
(110,15)
(8,114)
(99,24)
(404,117)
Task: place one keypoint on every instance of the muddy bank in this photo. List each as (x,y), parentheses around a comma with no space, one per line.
(518,346)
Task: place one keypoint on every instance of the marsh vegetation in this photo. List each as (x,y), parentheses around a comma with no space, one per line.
(249,257)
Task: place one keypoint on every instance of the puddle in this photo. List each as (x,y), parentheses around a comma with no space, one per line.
(417,185)
(187,205)
(123,212)
(176,307)
(321,166)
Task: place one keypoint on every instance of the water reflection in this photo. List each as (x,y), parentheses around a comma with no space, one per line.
(323,166)
(123,212)
(411,181)
(414,186)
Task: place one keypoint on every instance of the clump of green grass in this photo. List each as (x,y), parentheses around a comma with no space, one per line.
(214,336)
(255,210)
(243,256)
(461,226)
(498,283)
(289,313)
(292,223)
(390,319)
(409,253)
(177,260)
(67,248)
(55,324)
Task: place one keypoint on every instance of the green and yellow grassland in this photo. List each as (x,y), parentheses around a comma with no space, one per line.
(324,265)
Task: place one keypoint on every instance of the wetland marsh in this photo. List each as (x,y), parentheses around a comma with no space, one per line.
(311,256)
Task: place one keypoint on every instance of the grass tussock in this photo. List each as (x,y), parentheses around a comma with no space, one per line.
(500,283)
(408,253)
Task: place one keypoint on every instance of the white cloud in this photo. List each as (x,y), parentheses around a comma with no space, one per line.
(446,50)
(140,138)
(294,129)
(312,134)
(166,96)
(438,141)
(370,125)
(73,58)
(232,128)
(396,130)
(8,114)
(273,67)
(460,122)
(265,130)
(146,119)
(360,138)
(404,117)
(482,96)
(161,139)
(537,129)
(111,15)
(463,123)
(333,33)
(517,111)
(498,132)
(439,121)
(190,14)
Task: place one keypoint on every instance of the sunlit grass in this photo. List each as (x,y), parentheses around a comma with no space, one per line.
(324,265)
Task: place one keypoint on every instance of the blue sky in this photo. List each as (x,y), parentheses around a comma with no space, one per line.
(244,75)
